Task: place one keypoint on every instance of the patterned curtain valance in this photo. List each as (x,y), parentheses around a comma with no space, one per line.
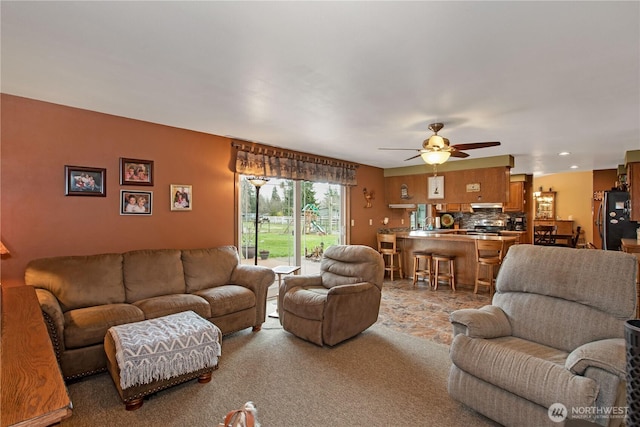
(262,160)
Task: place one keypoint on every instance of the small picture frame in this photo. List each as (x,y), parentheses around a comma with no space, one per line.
(136,202)
(181,197)
(435,187)
(85,181)
(136,172)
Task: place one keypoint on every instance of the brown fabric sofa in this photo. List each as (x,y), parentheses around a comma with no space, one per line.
(83,296)
(337,304)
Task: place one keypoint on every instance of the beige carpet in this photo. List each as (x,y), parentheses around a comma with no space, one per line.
(380,378)
(394,374)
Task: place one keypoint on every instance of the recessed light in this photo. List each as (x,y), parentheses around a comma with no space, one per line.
(574,166)
(564,153)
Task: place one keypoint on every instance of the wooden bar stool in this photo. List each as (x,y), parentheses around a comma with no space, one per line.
(426,271)
(449,275)
(388,248)
(489,255)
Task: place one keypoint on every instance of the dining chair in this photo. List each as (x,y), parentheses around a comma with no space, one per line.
(544,234)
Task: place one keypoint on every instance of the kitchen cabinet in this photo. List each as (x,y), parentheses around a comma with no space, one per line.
(453,207)
(516,201)
(545,205)
(488,185)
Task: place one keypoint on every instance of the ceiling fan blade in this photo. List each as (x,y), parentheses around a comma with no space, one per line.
(474,145)
(411,158)
(459,154)
(405,149)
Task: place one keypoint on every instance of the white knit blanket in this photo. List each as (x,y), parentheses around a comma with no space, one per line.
(166,347)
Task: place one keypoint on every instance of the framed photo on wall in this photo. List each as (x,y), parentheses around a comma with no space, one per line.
(136,202)
(85,181)
(136,172)
(181,197)
(435,187)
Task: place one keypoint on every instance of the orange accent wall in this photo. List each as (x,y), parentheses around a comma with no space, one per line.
(362,233)
(38,220)
(37,140)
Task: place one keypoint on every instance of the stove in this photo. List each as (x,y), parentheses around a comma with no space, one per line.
(488,227)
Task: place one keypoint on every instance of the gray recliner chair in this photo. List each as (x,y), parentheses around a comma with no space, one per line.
(339,302)
(552,338)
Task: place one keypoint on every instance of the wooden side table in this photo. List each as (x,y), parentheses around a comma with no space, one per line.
(280,271)
(33,391)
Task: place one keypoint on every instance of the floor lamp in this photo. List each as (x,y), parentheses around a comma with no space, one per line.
(258,183)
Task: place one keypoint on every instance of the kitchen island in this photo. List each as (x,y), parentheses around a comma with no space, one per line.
(461,245)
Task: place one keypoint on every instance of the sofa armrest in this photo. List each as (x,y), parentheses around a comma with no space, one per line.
(608,355)
(486,322)
(54,318)
(352,288)
(258,279)
(289,282)
(254,277)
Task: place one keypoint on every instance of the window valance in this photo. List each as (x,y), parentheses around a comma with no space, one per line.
(271,162)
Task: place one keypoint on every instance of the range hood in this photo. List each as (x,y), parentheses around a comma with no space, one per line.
(479,206)
(402,206)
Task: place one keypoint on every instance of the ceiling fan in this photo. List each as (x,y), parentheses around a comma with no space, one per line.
(436,149)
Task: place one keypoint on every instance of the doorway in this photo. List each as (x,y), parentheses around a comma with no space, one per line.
(296,222)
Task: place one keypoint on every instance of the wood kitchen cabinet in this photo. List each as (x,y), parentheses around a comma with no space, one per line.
(516,201)
(490,185)
(453,207)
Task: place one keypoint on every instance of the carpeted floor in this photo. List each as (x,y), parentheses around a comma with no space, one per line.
(379,378)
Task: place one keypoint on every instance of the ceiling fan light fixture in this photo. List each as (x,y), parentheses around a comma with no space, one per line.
(435,141)
(435,157)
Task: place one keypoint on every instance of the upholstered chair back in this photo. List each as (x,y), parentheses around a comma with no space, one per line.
(348,264)
(564,297)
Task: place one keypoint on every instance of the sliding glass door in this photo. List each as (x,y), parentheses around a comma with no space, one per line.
(295,222)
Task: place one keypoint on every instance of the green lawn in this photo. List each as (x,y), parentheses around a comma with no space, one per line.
(277,239)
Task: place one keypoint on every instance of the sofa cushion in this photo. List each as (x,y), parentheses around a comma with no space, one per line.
(532,371)
(306,302)
(151,273)
(87,326)
(228,299)
(171,304)
(79,281)
(206,268)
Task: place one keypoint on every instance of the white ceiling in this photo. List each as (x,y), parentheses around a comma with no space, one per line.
(342,79)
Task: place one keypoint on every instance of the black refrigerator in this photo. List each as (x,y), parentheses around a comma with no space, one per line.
(613,220)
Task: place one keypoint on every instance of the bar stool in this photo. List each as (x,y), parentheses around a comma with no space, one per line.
(449,275)
(389,250)
(426,271)
(489,255)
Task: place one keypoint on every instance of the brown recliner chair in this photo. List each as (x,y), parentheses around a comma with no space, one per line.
(339,302)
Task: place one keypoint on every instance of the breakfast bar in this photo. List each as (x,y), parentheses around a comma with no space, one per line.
(462,246)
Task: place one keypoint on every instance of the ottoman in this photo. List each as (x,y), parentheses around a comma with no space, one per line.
(151,355)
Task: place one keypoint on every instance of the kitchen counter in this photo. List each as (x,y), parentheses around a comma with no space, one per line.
(454,235)
(450,242)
